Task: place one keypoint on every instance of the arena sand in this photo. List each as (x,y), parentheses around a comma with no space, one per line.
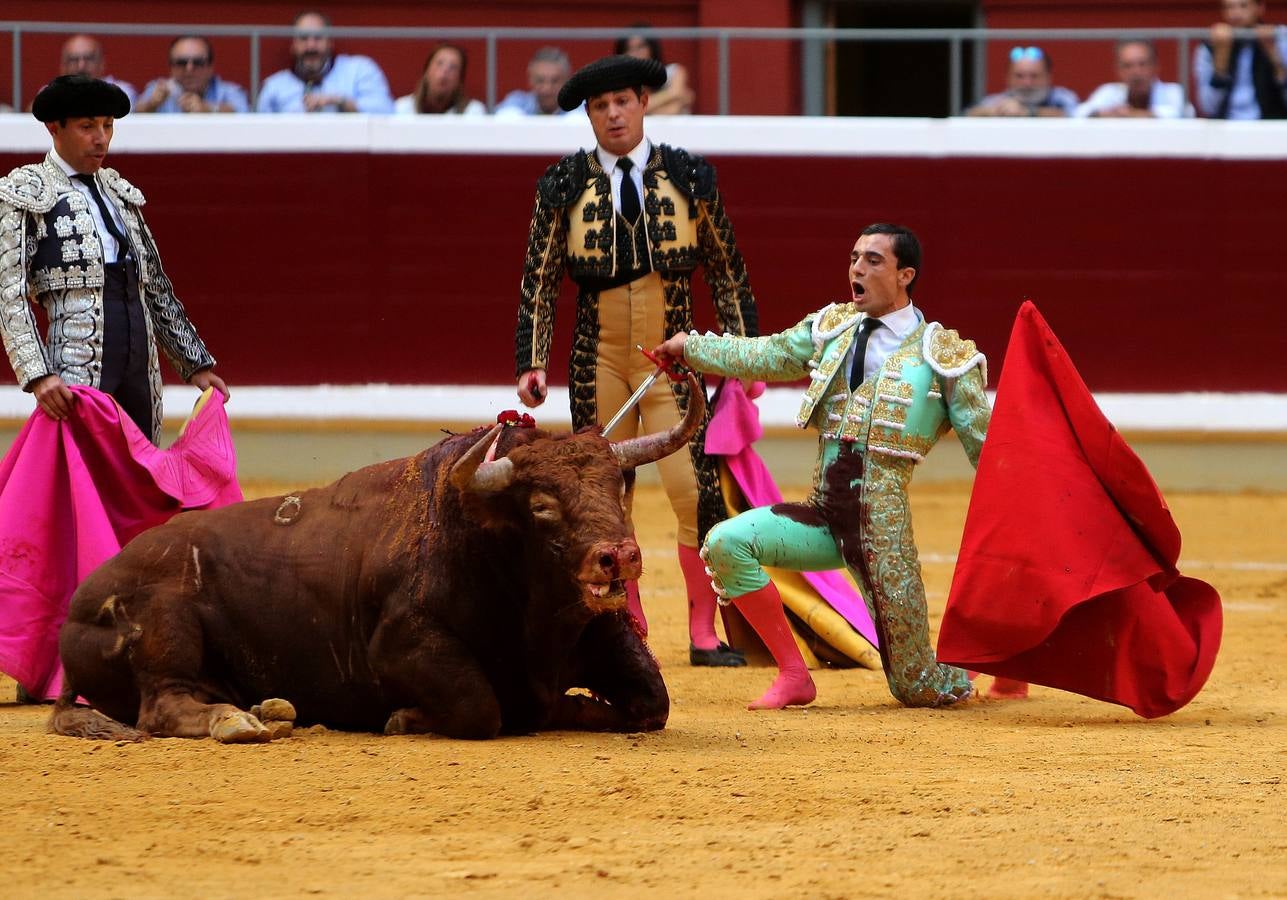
(1055,796)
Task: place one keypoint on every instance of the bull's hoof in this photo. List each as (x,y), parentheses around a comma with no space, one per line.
(274,710)
(278,729)
(239,728)
(399,722)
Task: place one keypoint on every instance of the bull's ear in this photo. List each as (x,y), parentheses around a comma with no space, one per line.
(470,473)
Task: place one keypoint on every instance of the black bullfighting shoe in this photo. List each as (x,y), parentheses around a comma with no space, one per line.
(723,655)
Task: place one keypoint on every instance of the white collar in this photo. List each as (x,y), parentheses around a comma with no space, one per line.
(901,322)
(638,156)
(62,164)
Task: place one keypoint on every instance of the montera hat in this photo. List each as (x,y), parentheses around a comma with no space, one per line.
(77,97)
(612,73)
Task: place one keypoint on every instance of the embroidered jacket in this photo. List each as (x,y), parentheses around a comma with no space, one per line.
(935,380)
(574,227)
(50,253)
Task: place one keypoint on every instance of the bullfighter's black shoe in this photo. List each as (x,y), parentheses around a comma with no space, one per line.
(723,655)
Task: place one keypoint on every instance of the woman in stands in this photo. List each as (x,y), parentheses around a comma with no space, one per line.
(441,88)
(674,97)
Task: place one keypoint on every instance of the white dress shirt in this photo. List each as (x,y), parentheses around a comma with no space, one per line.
(638,156)
(111,249)
(884,341)
(1166,100)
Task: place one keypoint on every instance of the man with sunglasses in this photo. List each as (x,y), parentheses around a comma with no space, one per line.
(1029,91)
(192,85)
(75,242)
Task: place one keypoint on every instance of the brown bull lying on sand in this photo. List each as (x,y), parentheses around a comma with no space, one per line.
(439,593)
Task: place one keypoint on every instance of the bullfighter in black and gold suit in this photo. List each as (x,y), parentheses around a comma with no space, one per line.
(630,222)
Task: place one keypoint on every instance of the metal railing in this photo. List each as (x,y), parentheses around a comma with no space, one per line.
(813,80)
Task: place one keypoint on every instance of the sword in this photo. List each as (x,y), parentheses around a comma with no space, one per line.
(673,369)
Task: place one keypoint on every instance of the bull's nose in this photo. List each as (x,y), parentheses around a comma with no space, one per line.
(612,558)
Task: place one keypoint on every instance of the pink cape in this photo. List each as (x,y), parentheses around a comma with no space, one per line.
(73,493)
(734,427)
(1067,573)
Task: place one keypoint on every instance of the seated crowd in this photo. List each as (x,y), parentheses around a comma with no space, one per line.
(1235,78)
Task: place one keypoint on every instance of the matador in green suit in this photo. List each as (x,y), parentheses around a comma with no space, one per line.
(884,386)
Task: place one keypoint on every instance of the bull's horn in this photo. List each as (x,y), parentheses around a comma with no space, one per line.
(470,473)
(652,447)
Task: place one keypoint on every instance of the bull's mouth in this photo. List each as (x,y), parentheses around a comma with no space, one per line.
(612,593)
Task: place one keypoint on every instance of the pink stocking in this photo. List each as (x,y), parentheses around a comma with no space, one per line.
(701,599)
(793,686)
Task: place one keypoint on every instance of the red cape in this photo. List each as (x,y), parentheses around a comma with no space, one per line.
(1067,573)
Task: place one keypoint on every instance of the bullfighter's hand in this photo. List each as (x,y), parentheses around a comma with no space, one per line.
(672,347)
(532,389)
(206,378)
(54,397)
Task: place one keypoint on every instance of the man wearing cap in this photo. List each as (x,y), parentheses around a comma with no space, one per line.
(73,238)
(630,221)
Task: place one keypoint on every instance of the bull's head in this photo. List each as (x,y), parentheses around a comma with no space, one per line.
(572,491)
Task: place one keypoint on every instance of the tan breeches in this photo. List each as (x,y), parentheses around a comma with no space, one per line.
(635,314)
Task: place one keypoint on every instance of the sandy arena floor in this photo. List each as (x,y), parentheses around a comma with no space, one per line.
(1055,796)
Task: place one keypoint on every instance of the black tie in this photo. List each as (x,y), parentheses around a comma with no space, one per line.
(106,214)
(629,193)
(865,328)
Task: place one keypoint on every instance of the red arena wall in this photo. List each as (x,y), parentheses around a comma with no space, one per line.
(403,266)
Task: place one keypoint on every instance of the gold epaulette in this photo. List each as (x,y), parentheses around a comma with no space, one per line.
(948,353)
(834,319)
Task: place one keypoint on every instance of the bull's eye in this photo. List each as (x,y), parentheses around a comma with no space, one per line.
(544,507)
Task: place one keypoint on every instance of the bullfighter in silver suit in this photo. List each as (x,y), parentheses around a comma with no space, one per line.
(73,239)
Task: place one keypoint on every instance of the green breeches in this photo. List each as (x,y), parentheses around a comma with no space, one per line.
(878,550)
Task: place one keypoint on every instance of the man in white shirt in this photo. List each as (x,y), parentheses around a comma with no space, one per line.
(1139,94)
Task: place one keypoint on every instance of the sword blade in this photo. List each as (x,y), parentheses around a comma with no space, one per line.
(633,400)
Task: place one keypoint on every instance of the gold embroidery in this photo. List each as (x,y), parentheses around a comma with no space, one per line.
(949,350)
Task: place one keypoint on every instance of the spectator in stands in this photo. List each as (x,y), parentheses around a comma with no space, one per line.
(319,80)
(546,75)
(1029,91)
(1242,79)
(675,97)
(83,55)
(1139,95)
(441,88)
(192,86)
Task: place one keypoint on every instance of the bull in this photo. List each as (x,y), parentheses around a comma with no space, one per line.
(468,591)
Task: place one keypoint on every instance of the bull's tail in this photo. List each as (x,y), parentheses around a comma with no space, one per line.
(79,721)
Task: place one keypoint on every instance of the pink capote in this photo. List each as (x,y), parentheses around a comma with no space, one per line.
(734,427)
(1067,572)
(73,493)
